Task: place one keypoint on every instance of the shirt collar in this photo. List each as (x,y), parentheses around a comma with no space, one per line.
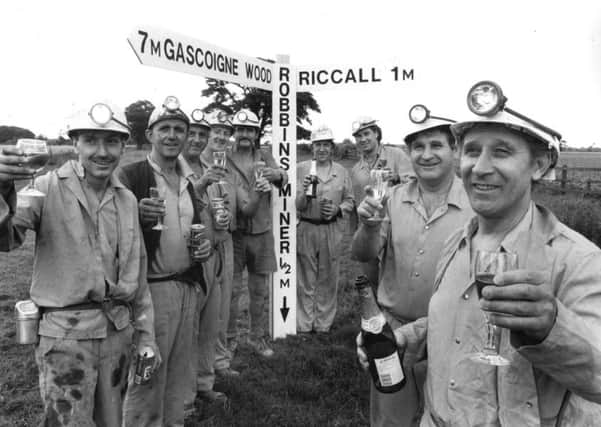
(511,238)
(181,166)
(78,171)
(509,241)
(456,196)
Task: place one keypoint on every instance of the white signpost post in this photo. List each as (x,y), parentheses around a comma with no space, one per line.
(165,49)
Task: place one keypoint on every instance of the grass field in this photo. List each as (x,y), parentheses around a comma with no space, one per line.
(312,381)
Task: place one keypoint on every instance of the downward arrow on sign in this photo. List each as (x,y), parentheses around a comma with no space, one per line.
(284,310)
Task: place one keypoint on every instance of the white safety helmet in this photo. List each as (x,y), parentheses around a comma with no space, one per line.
(246,117)
(322,133)
(220,118)
(422,120)
(101,116)
(486,100)
(363,122)
(170,109)
(199,118)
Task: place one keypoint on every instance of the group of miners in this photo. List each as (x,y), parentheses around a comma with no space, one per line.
(106,277)
(114,266)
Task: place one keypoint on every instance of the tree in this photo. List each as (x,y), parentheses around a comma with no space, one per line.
(232,97)
(10,134)
(137,115)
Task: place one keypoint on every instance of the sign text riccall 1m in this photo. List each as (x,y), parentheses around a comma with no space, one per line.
(343,76)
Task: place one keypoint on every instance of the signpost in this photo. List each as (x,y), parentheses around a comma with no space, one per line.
(164,49)
(283,286)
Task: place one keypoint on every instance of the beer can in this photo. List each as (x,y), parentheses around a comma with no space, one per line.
(144,364)
(197,234)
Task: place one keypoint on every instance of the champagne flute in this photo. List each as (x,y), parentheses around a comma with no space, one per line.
(219,160)
(486,266)
(378,186)
(155,196)
(37,155)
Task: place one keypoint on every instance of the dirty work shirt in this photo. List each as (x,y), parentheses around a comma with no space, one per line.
(318,248)
(83,356)
(530,391)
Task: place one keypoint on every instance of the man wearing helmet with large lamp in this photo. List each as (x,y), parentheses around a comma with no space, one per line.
(420,215)
(89,277)
(177,271)
(544,367)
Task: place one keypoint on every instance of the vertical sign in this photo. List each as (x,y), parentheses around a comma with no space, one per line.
(283,285)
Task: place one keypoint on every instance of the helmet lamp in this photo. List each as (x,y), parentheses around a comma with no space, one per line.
(171,103)
(101,114)
(419,113)
(198,115)
(486,98)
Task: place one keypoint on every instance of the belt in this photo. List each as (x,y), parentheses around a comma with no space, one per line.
(193,276)
(90,305)
(319,221)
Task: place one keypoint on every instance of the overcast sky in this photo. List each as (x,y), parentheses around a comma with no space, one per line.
(59,55)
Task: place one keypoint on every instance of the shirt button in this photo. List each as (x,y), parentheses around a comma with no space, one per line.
(457,340)
(529,404)
(466,296)
(452,383)
(416,274)
(421,251)
(427,227)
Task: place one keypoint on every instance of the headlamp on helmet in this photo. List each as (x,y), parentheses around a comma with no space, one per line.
(486,98)
(171,103)
(102,114)
(419,114)
(198,115)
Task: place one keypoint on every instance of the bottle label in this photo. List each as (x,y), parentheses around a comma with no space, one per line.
(373,325)
(389,370)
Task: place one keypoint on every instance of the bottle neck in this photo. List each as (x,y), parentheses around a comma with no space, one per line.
(313,170)
(372,318)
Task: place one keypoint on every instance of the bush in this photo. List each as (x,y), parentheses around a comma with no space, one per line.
(575,209)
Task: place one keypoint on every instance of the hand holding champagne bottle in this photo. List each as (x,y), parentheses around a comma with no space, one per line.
(376,343)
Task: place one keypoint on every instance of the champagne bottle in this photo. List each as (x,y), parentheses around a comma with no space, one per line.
(312,188)
(383,355)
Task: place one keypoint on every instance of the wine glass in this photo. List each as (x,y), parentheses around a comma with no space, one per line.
(378,185)
(486,266)
(37,155)
(155,196)
(219,160)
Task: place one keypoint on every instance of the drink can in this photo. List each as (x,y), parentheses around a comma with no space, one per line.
(219,210)
(144,364)
(27,319)
(197,234)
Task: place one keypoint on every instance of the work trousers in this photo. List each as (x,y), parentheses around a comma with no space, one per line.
(82,382)
(223,356)
(160,402)
(318,265)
